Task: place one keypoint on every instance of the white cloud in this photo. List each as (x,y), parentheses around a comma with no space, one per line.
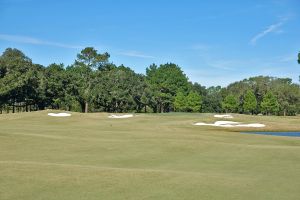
(226,65)
(35,41)
(135,54)
(222,64)
(289,58)
(274,28)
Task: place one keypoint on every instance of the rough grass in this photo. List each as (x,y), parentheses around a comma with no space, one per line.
(154,156)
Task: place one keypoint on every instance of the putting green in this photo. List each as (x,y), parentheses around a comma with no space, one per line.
(149,156)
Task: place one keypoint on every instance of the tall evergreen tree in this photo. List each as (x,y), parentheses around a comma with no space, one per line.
(180,102)
(165,81)
(230,103)
(193,102)
(55,85)
(250,102)
(87,61)
(269,105)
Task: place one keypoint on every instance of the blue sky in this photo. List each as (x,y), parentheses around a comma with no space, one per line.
(215,42)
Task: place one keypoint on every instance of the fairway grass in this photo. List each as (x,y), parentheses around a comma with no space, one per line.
(149,156)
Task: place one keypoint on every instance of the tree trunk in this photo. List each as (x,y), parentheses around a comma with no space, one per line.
(86,107)
(145,109)
(284,112)
(157,108)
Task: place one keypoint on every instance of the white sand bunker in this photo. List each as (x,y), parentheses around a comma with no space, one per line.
(224,116)
(230,124)
(59,114)
(120,116)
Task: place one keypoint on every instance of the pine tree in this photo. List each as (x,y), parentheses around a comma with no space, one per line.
(193,102)
(250,102)
(269,105)
(230,103)
(180,102)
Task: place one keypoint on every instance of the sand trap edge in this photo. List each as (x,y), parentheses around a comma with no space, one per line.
(59,114)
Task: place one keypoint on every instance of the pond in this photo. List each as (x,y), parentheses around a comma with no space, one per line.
(289,134)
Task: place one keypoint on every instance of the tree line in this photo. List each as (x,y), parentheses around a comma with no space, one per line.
(94,84)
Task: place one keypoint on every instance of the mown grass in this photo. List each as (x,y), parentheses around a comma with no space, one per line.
(150,156)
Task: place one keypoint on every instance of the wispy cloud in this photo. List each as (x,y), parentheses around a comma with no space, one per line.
(35,41)
(229,65)
(288,58)
(226,65)
(135,54)
(273,28)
